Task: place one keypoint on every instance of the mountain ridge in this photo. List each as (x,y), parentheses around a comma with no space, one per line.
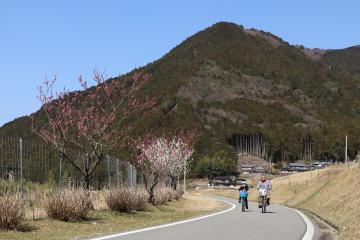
(227,80)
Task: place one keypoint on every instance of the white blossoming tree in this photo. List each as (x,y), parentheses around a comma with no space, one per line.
(162,157)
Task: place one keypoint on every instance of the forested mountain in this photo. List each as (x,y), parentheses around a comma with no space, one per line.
(227,80)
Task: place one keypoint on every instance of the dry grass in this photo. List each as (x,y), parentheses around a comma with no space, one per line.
(104,222)
(297,188)
(196,203)
(229,193)
(339,202)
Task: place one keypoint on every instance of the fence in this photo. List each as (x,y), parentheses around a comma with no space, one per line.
(23,160)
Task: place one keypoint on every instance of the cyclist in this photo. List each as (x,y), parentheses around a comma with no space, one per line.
(264,184)
(242,190)
(243,198)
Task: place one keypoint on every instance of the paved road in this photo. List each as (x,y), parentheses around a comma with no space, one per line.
(280,223)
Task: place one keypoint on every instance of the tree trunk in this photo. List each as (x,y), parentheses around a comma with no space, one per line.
(174,183)
(150,187)
(87,182)
(152,193)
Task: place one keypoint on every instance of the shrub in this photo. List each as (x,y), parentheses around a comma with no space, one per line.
(126,200)
(68,205)
(161,196)
(164,195)
(8,187)
(178,194)
(173,195)
(11,213)
(141,197)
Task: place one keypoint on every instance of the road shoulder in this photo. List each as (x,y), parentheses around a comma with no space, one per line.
(324,230)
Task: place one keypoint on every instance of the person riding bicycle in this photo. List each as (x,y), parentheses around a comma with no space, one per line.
(264,184)
(243,194)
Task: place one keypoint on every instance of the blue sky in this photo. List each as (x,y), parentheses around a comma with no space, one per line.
(69,38)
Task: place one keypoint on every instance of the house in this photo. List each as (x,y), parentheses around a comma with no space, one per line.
(223,181)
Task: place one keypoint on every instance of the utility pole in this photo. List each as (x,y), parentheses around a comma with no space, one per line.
(60,177)
(184,177)
(21,171)
(346,149)
(117,174)
(310,150)
(108,170)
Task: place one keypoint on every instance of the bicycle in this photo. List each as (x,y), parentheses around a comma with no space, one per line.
(243,203)
(263,199)
(242,199)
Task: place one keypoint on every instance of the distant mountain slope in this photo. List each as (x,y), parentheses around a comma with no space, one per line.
(348,59)
(227,80)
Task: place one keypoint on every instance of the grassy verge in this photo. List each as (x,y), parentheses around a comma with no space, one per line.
(332,193)
(104,222)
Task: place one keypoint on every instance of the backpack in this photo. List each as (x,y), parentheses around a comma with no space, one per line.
(243,193)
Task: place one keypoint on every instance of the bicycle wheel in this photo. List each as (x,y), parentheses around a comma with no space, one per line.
(263,205)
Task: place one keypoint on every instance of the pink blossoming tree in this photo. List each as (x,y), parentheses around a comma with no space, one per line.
(90,121)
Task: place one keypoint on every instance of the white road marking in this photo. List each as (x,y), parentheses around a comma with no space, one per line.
(310,230)
(233,206)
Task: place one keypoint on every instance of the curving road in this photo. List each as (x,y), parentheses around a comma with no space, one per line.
(280,223)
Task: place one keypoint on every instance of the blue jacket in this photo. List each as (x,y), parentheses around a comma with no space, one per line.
(243,193)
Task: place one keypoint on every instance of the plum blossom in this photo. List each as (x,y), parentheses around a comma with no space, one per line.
(162,157)
(88,120)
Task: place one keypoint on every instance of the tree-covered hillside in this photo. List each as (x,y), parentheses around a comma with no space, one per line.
(227,80)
